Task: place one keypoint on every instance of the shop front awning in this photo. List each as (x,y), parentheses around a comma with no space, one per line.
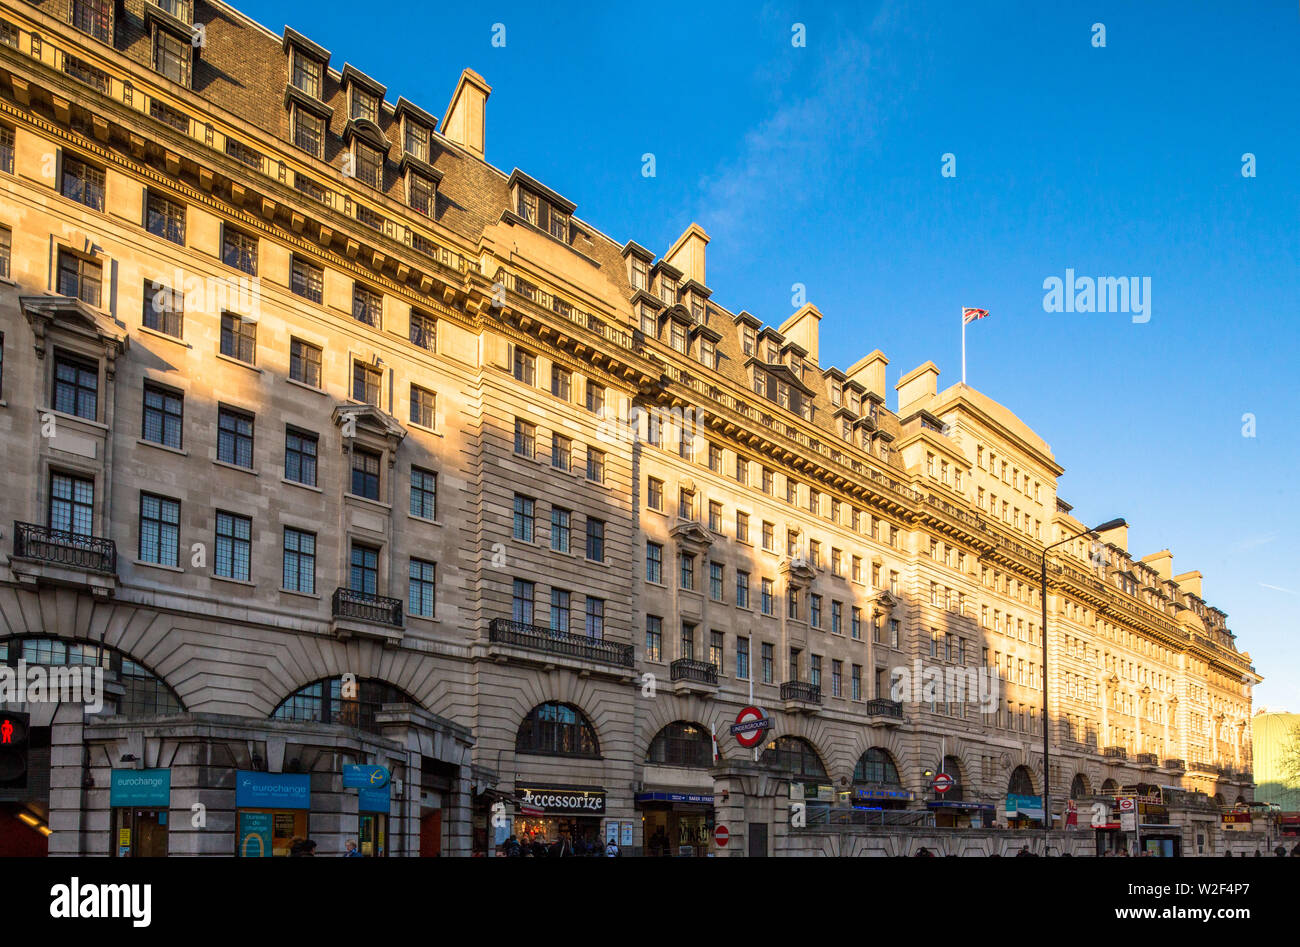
(961,806)
(696,798)
(1026,812)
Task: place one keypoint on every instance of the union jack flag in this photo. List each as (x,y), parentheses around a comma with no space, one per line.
(970,315)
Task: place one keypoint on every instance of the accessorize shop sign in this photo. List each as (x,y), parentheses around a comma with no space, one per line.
(561,800)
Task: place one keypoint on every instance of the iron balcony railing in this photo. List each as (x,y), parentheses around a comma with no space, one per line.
(1147,759)
(801,690)
(884,707)
(65,548)
(1175,764)
(544,299)
(539,638)
(1115,752)
(686,669)
(362,606)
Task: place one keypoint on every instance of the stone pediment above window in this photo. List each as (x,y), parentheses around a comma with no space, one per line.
(649,299)
(351,76)
(410,162)
(782,371)
(368,424)
(155,14)
(368,132)
(412,112)
(884,602)
(295,40)
(799,572)
(68,316)
(678,313)
(691,536)
(295,96)
(702,331)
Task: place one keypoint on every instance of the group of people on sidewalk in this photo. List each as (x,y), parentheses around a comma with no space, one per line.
(562,847)
(306,848)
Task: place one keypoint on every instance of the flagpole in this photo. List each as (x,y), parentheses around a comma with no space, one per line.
(963,346)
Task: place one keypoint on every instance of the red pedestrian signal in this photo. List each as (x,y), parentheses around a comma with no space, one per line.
(13,751)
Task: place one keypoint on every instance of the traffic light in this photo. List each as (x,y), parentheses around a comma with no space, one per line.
(13,750)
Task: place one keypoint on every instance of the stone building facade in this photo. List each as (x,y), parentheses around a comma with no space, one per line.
(332,444)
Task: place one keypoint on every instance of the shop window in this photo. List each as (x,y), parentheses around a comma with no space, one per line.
(556,729)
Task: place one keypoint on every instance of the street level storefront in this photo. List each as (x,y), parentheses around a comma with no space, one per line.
(140,800)
(373,805)
(1024,811)
(871,797)
(550,813)
(271,812)
(677,823)
(962,815)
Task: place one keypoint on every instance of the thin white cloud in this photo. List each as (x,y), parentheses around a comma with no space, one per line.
(1278,588)
(787,159)
(1253,542)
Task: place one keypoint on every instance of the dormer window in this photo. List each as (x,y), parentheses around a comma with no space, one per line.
(308,131)
(648,321)
(747,340)
(697,308)
(420,193)
(677,337)
(837,393)
(638,274)
(306,74)
(94,17)
(668,290)
(177,8)
(541,214)
(773,353)
(368,164)
(416,141)
(708,354)
(171,56)
(365,105)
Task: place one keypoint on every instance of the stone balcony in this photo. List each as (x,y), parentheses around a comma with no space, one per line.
(364,615)
(46,556)
(693,677)
(541,646)
(800,697)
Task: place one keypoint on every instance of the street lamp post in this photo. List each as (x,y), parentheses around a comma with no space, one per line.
(1042,598)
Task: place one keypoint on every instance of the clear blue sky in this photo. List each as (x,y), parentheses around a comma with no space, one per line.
(821,165)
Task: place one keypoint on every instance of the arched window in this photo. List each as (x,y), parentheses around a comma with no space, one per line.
(952,766)
(557,730)
(1021,783)
(1079,787)
(1219,800)
(324,702)
(1109,787)
(682,744)
(877,767)
(795,754)
(146,695)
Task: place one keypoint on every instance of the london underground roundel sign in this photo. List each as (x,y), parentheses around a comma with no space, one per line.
(750,726)
(942,782)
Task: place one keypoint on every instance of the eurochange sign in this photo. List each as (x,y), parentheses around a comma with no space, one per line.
(559,800)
